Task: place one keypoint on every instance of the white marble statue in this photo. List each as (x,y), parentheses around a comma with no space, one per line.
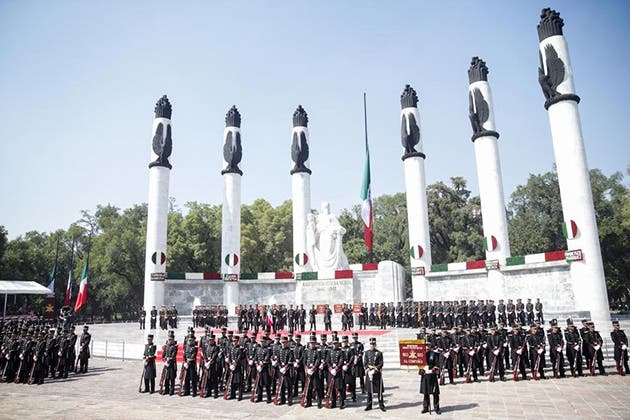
(324,241)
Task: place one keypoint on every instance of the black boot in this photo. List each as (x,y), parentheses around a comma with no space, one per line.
(368,407)
(381,406)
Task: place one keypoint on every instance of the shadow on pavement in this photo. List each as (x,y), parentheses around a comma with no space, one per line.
(404,405)
(459,407)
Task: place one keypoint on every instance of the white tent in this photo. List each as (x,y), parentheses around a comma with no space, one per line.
(17,287)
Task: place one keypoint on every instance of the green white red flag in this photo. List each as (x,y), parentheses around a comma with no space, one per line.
(83,287)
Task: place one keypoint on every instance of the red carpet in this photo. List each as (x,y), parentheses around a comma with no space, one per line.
(305,335)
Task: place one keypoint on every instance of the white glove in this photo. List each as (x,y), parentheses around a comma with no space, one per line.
(274,363)
(505,344)
(519,351)
(309,371)
(540,351)
(446,355)
(207,364)
(597,347)
(559,349)
(624,347)
(471,353)
(496,352)
(185,365)
(333,372)
(296,364)
(576,347)
(250,362)
(485,345)
(233,367)
(345,368)
(283,370)
(259,368)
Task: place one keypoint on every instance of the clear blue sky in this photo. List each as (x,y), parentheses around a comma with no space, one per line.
(79,79)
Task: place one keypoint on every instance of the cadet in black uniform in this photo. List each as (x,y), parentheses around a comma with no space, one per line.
(594,341)
(336,385)
(154,314)
(556,347)
(142,318)
(298,365)
(519,353)
(284,388)
(536,347)
(212,368)
(358,368)
(312,313)
(348,367)
(190,366)
(263,370)
(236,370)
(429,384)
(311,361)
(574,349)
(621,349)
(373,362)
(169,355)
(150,371)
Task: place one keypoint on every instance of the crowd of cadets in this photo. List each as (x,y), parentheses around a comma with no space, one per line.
(33,350)
(279,370)
(428,314)
(473,351)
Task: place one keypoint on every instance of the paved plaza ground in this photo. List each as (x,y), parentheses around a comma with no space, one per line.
(110,391)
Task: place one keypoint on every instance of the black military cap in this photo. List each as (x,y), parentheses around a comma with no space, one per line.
(224,329)
(615,323)
(312,339)
(290,334)
(355,334)
(230,332)
(236,338)
(323,336)
(335,340)
(284,340)
(298,337)
(85,327)
(191,337)
(171,334)
(372,340)
(344,338)
(207,328)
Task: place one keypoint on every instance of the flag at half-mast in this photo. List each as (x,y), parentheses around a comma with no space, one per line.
(83,287)
(366,193)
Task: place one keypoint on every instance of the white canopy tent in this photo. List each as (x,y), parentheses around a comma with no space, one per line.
(18,287)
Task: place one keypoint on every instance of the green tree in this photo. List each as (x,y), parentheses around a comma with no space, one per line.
(456,228)
(536,225)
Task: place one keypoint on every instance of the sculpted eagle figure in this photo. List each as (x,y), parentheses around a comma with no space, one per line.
(409,133)
(478,110)
(550,80)
(299,152)
(232,153)
(162,146)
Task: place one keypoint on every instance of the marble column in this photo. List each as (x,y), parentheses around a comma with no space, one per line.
(231,210)
(580,226)
(416,192)
(300,190)
(157,218)
(485,139)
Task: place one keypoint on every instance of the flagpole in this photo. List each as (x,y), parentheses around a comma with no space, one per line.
(367,153)
(69,285)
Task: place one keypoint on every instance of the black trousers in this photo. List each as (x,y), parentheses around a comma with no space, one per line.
(426,403)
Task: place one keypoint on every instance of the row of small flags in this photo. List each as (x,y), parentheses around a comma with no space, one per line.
(83,286)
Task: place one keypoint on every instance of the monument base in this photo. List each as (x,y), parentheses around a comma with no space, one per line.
(367,283)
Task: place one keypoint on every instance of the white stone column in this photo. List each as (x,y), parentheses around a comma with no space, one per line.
(300,190)
(158,205)
(556,79)
(231,210)
(416,192)
(495,231)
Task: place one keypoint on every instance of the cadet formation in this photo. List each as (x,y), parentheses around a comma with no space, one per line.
(279,370)
(34,351)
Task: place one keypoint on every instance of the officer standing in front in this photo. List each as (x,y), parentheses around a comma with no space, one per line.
(373,362)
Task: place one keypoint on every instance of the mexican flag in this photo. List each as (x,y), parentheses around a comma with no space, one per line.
(51,279)
(269,318)
(83,287)
(366,206)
